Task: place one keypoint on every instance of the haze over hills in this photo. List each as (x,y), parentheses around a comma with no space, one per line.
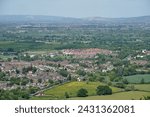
(140,18)
(37,19)
(58,19)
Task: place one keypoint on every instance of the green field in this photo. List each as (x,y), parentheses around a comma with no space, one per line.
(142,87)
(117,96)
(72,88)
(25,45)
(138,78)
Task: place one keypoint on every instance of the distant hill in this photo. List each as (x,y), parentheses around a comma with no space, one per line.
(57,19)
(141,19)
(37,19)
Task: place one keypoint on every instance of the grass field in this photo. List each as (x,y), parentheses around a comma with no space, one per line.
(25,45)
(72,88)
(138,78)
(142,87)
(117,96)
(6,57)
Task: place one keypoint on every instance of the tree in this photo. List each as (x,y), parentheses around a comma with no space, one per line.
(51,81)
(32,89)
(69,77)
(2,76)
(82,92)
(9,59)
(81,72)
(66,95)
(40,80)
(24,70)
(125,81)
(24,81)
(63,72)
(15,80)
(142,81)
(103,90)
(31,80)
(147,98)
(17,71)
(34,69)
(130,88)
(101,79)
(120,85)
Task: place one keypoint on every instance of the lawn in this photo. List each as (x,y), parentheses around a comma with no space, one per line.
(138,78)
(72,88)
(117,96)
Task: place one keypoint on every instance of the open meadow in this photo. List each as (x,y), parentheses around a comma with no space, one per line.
(72,88)
(131,95)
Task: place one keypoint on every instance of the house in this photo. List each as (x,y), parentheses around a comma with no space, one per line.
(86,53)
(107,67)
(3,85)
(139,62)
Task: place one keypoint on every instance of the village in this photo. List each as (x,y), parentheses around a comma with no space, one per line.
(55,67)
(40,72)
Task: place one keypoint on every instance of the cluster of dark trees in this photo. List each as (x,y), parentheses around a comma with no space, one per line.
(17,94)
(101,90)
(25,70)
(13,80)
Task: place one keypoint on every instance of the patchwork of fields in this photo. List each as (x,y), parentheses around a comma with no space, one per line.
(71,88)
(62,58)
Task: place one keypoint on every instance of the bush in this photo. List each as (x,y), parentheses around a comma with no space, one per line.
(147,98)
(119,85)
(125,81)
(130,88)
(103,90)
(63,72)
(66,95)
(142,81)
(82,93)
(81,72)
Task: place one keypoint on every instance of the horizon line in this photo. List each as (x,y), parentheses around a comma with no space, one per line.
(71,16)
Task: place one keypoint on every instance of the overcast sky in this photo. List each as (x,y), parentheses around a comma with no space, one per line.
(76,8)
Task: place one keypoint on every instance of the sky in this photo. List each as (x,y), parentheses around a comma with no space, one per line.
(76,8)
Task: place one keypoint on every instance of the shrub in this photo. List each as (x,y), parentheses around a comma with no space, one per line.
(103,90)
(119,85)
(66,95)
(63,72)
(82,93)
(81,72)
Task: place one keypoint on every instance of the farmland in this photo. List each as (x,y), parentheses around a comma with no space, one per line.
(142,87)
(138,78)
(55,59)
(72,88)
(136,95)
(141,90)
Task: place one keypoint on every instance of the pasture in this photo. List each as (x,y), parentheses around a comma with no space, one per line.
(138,78)
(132,95)
(142,87)
(72,88)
